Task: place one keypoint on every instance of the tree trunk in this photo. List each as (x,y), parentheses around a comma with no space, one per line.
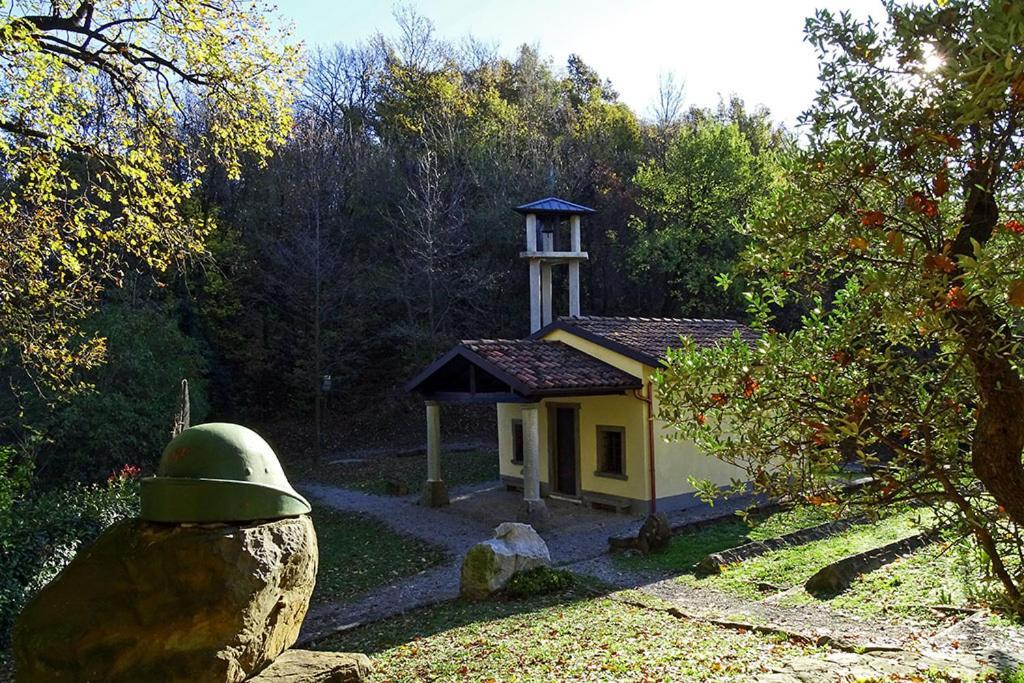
(999,432)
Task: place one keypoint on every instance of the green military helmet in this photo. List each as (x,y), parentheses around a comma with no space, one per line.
(219,472)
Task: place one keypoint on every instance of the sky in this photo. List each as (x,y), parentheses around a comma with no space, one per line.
(751,48)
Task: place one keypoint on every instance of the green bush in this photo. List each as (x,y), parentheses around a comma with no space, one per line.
(127,416)
(41,532)
(539,581)
(1013,675)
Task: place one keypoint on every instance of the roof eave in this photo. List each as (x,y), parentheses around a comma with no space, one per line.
(570,208)
(514,383)
(605,342)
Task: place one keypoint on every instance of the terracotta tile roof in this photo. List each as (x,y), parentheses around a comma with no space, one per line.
(649,338)
(550,366)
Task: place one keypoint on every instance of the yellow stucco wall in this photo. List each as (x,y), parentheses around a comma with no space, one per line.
(675,461)
(507,412)
(611,411)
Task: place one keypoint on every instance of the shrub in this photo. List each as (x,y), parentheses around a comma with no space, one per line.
(539,581)
(127,415)
(40,533)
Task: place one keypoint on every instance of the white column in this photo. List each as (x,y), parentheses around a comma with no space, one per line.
(534,510)
(531,232)
(433,441)
(545,293)
(435,491)
(574,266)
(574,287)
(531,453)
(535,323)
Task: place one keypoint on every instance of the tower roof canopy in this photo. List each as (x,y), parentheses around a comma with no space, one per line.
(553,205)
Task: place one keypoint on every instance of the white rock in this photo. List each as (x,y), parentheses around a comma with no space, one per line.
(488,566)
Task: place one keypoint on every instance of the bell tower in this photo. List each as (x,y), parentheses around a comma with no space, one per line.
(552,238)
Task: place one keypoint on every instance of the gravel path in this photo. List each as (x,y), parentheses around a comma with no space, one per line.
(577,535)
(404,515)
(578,540)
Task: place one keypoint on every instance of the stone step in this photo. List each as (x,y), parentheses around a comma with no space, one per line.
(308,666)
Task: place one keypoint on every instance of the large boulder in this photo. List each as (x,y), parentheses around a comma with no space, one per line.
(160,603)
(488,566)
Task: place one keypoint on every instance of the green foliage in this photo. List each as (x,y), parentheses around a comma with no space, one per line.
(126,416)
(390,201)
(539,581)
(897,229)
(691,202)
(41,532)
(1016,675)
(94,106)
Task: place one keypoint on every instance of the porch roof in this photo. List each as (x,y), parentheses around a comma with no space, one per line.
(512,370)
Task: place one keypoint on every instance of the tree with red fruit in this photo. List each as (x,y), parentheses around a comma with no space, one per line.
(898,230)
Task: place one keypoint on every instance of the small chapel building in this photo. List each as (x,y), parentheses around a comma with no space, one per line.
(576,410)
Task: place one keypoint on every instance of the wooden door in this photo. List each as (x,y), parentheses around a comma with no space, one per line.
(565,450)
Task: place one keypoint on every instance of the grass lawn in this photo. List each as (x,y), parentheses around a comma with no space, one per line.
(903,588)
(686,550)
(371,475)
(574,636)
(358,554)
(792,566)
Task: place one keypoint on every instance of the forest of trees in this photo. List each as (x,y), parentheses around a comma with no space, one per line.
(380,231)
(343,212)
(178,202)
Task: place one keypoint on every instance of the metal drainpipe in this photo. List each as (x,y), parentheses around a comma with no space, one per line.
(649,401)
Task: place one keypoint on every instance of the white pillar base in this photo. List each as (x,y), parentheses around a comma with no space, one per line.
(435,494)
